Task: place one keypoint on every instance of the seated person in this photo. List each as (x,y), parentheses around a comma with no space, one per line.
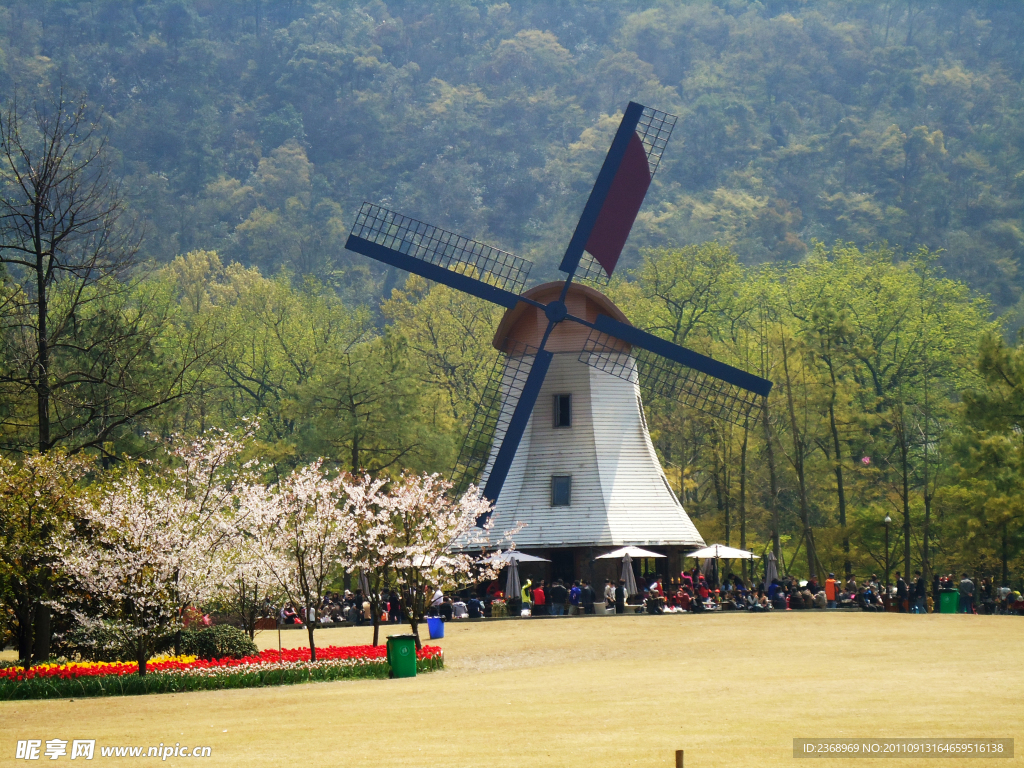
(460,609)
(779,601)
(685,599)
(446,610)
(289,616)
(864,600)
(474,608)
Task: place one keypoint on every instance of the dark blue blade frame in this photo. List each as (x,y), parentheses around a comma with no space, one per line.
(517,426)
(592,210)
(703,363)
(432,272)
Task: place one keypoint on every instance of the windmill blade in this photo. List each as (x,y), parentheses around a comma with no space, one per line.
(517,425)
(497,418)
(668,370)
(437,254)
(490,421)
(619,190)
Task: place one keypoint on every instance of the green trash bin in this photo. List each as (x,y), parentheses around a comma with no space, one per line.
(948,601)
(402,655)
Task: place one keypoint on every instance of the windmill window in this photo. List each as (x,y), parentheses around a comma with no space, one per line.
(563,411)
(561,490)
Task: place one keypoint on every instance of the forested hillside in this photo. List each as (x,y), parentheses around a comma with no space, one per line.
(256,128)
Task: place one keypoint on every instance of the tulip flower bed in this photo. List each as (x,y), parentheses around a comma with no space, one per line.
(178,674)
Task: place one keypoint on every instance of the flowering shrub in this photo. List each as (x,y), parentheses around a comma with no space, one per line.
(175,674)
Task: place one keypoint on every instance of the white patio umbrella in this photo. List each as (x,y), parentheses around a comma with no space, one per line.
(771,569)
(512,585)
(512,559)
(627,554)
(628,577)
(516,556)
(707,568)
(630,551)
(718,551)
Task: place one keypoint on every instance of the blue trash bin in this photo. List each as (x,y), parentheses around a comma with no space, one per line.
(436,628)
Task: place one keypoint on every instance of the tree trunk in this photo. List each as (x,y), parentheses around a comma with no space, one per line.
(42,374)
(773,484)
(140,655)
(1005,557)
(43,634)
(414,626)
(905,469)
(310,626)
(23,612)
(743,498)
(840,489)
(798,464)
(925,564)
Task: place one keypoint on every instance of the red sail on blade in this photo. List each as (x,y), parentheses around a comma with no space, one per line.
(620,206)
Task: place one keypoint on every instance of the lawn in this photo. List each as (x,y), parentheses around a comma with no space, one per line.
(730,690)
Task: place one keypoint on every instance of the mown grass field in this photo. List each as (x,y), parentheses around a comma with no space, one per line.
(730,690)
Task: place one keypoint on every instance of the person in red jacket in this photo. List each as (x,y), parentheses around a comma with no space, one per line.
(540,605)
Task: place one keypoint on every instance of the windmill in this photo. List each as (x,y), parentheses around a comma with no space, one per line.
(607,342)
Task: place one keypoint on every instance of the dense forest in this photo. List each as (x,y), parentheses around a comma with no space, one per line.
(840,210)
(256,129)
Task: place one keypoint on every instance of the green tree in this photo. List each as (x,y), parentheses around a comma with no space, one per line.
(38,503)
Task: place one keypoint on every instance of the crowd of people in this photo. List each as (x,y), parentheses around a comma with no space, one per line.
(692,592)
(335,608)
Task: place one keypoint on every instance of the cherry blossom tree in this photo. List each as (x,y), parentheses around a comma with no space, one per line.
(151,537)
(299,534)
(138,561)
(208,477)
(428,530)
(244,582)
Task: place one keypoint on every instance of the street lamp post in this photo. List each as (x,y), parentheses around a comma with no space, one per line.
(888,520)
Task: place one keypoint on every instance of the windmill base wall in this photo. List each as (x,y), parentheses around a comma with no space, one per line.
(620,494)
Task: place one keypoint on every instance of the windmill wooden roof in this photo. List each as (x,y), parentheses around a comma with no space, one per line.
(525,323)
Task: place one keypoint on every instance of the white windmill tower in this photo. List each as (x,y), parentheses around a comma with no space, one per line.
(586,473)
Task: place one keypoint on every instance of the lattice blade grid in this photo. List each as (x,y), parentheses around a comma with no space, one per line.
(441,248)
(490,422)
(655,129)
(661,377)
(591,271)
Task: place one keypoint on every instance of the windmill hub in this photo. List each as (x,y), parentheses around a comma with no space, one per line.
(556,311)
